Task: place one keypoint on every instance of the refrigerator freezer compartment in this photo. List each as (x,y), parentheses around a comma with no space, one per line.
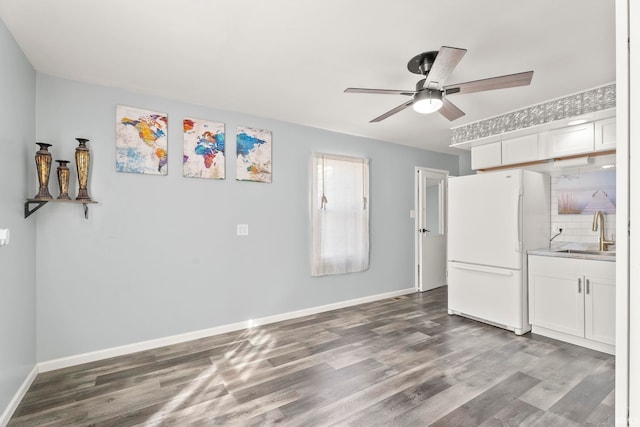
(490,294)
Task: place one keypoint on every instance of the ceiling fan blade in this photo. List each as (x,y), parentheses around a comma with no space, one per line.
(501,82)
(392,112)
(450,111)
(446,61)
(380,91)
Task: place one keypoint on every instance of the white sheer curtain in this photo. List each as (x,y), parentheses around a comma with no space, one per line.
(339,214)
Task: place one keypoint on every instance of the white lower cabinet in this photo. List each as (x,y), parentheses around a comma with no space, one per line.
(573,300)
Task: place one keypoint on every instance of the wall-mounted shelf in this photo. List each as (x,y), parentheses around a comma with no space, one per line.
(38,203)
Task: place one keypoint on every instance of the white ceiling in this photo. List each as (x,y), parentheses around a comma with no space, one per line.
(292,59)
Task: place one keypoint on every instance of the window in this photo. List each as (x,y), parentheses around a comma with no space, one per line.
(339,214)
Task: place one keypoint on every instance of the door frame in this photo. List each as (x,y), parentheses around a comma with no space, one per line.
(416,219)
(627,374)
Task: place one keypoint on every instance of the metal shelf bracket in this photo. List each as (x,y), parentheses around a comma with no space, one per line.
(29,209)
(27,206)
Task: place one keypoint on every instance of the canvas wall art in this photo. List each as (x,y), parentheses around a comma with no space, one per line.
(587,193)
(203,155)
(253,154)
(141,141)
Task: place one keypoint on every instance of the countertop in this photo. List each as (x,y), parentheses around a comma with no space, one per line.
(575,253)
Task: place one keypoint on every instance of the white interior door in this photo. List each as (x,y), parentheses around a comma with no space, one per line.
(431,229)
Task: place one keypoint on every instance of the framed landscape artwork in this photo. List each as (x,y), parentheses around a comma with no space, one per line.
(141,141)
(203,155)
(253,154)
(587,193)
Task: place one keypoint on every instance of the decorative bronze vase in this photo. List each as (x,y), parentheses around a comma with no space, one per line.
(63,179)
(43,166)
(82,167)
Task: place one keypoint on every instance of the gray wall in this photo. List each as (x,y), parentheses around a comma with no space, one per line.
(464,167)
(17,179)
(159,256)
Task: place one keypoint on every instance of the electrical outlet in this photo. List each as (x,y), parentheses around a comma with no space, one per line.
(556,228)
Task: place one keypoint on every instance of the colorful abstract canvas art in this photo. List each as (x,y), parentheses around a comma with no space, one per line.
(141,141)
(203,155)
(253,154)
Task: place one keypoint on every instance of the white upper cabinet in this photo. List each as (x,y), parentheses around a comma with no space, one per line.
(567,141)
(582,139)
(605,134)
(486,156)
(520,150)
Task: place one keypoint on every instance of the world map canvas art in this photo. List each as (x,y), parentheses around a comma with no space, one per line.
(253,154)
(141,141)
(203,155)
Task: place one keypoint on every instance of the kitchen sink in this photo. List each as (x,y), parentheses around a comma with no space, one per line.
(582,252)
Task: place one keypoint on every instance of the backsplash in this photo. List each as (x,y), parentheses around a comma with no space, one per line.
(578,228)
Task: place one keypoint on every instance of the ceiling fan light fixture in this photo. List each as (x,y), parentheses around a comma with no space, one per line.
(427,101)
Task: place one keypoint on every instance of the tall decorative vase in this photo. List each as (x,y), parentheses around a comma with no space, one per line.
(43,166)
(82,167)
(63,179)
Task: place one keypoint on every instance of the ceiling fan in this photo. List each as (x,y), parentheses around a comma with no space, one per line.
(431,92)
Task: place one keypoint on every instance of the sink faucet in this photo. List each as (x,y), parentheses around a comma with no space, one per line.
(604,244)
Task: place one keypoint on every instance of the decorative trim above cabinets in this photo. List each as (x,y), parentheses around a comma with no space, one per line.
(556,110)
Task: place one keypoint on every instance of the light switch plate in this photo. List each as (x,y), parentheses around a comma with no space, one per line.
(242,229)
(5,234)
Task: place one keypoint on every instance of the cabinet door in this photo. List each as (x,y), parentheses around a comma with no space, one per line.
(520,150)
(600,302)
(556,299)
(486,156)
(605,134)
(567,141)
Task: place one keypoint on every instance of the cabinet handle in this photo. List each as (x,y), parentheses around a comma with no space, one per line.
(586,282)
(579,285)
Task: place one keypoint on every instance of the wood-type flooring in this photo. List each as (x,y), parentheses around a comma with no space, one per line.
(399,362)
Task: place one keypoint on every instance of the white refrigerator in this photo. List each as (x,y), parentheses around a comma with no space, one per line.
(493,219)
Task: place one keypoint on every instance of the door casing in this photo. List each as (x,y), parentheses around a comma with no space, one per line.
(419,250)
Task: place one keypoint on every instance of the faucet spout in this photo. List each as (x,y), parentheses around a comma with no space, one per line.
(598,222)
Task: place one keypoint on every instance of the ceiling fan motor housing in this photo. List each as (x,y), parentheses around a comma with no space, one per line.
(422,63)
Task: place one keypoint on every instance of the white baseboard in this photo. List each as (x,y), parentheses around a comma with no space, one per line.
(93,356)
(571,339)
(13,404)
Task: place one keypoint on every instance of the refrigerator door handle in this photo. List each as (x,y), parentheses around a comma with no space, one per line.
(483,269)
(519,223)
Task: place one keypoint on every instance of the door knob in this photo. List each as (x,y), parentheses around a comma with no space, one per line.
(423,230)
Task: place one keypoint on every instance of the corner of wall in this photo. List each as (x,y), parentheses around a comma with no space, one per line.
(17,260)
(464,163)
